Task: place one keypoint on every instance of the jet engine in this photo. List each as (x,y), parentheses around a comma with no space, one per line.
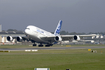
(58,38)
(19,39)
(77,38)
(9,38)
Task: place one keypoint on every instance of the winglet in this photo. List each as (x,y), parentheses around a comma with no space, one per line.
(57,31)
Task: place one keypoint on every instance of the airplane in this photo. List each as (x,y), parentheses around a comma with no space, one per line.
(38,35)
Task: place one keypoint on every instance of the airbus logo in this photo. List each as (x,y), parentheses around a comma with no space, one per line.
(58,30)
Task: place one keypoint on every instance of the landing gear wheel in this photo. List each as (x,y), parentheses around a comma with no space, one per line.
(40,45)
(34,44)
(48,45)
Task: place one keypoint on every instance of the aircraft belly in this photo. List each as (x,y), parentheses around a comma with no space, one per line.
(37,39)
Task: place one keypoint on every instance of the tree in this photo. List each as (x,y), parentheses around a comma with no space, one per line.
(11,30)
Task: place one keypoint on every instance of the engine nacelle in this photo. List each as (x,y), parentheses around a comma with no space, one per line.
(58,38)
(77,38)
(19,39)
(9,38)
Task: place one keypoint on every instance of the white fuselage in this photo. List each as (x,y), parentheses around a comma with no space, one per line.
(35,33)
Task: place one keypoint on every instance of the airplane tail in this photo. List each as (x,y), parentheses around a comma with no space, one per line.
(57,31)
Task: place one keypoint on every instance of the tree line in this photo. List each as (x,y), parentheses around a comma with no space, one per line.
(66,32)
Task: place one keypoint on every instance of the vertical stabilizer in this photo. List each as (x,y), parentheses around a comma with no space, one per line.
(57,31)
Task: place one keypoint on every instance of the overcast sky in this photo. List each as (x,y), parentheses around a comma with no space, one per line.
(77,15)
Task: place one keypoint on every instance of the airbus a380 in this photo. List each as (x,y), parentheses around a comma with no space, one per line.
(38,35)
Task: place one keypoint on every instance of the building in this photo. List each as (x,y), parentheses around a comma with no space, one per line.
(0,28)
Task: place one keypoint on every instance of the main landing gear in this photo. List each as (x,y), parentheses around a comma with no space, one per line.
(40,45)
(34,45)
(48,45)
(33,42)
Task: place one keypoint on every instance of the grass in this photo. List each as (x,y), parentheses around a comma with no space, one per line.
(27,46)
(89,45)
(74,59)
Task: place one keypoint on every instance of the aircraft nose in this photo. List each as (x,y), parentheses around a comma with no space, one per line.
(26,31)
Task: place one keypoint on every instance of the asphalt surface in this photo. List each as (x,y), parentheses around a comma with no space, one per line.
(50,48)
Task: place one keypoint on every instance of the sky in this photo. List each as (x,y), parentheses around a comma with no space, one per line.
(77,15)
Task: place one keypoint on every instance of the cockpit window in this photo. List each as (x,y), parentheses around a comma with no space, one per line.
(28,28)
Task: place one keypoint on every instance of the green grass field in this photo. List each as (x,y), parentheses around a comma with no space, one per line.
(27,46)
(74,59)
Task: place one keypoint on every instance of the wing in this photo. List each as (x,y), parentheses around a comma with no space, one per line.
(90,35)
(52,39)
(75,37)
(49,38)
(18,38)
(65,37)
(21,38)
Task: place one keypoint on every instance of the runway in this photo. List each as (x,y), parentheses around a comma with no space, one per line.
(50,48)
